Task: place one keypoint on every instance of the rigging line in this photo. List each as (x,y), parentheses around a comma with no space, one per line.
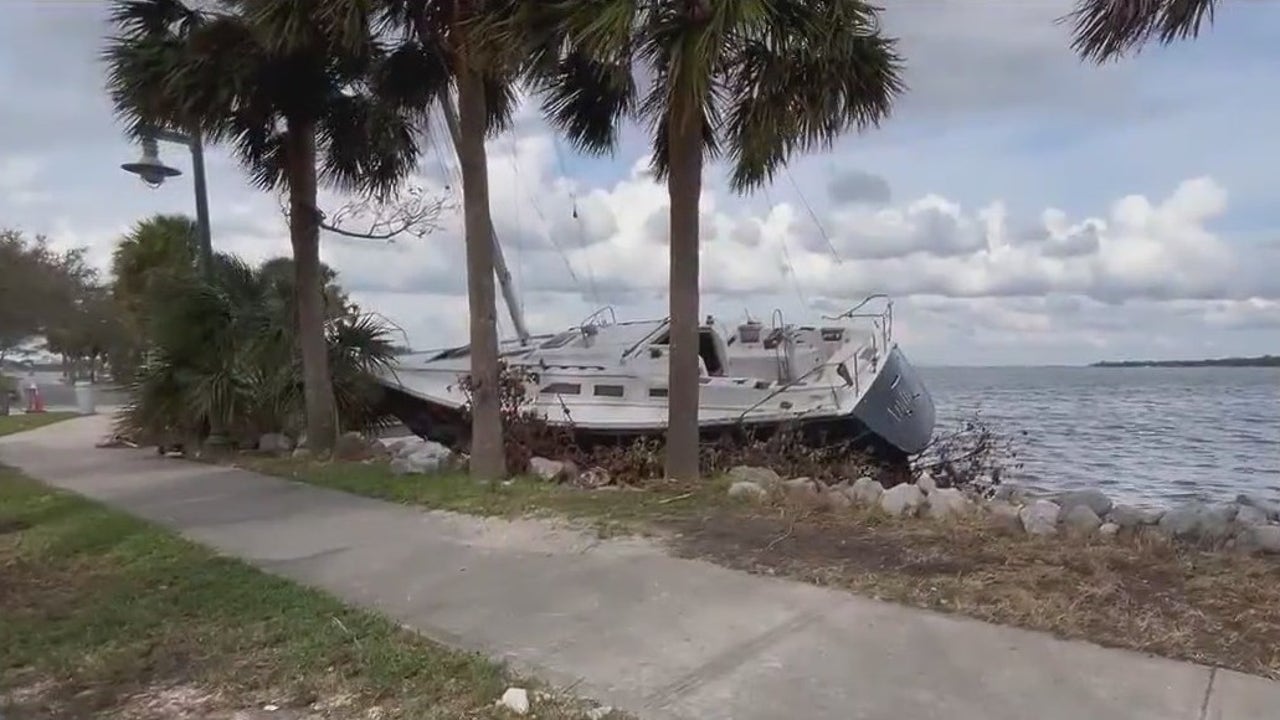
(546,225)
(786,256)
(582,234)
(813,216)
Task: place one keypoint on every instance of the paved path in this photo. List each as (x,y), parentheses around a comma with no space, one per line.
(620,622)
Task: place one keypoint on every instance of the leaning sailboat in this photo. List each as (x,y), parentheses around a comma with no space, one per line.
(839,379)
(842,379)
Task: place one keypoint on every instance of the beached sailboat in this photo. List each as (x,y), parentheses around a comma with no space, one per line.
(838,379)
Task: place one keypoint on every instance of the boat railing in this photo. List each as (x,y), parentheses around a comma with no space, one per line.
(882,321)
(603,317)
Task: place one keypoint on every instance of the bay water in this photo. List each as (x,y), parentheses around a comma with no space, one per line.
(1150,436)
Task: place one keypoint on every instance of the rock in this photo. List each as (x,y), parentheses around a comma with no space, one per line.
(1010,493)
(1095,500)
(943,503)
(599,713)
(301,453)
(516,700)
(903,500)
(1260,539)
(1251,515)
(747,490)
(544,469)
(837,498)
(419,463)
(1127,517)
(1272,509)
(1108,529)
(1004,516)
(1151,516)
(926,483)
(275,443)
(1081,520)
(762,476)
(593,479)
(803,489)
(1198,522)
(1040,517)
(351,446)
(866,491)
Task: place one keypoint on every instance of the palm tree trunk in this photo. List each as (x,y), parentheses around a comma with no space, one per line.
(304,233)
(684,188)
(488,457)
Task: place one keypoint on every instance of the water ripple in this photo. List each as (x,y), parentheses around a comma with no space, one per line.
(1149,435)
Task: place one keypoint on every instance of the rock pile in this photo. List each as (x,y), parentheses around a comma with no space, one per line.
(1249,524)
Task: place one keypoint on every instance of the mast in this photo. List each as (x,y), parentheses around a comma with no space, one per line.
(499,261)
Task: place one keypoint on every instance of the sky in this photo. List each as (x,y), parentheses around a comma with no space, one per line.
(1022,207)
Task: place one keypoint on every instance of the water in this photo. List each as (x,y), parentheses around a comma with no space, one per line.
(1142,435)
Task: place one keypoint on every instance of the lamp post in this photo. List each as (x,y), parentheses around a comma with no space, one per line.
(154,172)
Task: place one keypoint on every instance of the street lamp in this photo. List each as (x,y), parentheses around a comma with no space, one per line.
(154,172)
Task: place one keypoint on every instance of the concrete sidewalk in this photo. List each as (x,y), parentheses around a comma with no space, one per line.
(629,626)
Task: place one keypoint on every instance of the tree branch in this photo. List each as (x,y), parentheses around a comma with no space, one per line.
(411,213)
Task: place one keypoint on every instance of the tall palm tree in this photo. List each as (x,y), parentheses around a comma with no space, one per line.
(1107,29)
(447,44)
(300,92)
(754,80)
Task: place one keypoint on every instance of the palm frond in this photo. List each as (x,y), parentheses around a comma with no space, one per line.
(1104,30)
(798,85)
(587,100)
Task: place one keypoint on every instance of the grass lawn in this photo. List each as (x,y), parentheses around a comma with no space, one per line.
(10,424)
(103,615)
(1141,593)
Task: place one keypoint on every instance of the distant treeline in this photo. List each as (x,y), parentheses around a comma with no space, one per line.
(1260,361)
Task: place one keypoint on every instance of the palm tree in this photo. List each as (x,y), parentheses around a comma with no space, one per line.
(300,92)
(1107,29)
(446,43)
(754,80)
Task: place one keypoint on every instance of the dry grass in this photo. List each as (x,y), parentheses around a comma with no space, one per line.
(102,615)
(1140,593)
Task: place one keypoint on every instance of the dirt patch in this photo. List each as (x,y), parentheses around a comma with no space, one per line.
(1135,593)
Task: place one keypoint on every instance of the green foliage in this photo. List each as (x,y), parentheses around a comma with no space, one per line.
(249,73)
(223,353)
(766,79)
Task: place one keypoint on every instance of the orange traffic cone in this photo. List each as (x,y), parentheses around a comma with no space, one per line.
(39,400)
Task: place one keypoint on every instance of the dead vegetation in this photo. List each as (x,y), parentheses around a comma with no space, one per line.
(1140,593)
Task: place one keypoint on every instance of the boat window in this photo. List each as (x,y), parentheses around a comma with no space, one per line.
(561,340)
(562,389)
(615,391)
(657,392)
(709,353)
(833,334)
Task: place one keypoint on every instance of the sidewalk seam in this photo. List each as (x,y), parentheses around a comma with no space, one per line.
(728,660)
(1208,693)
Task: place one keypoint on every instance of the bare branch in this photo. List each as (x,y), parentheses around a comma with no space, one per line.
(413,213)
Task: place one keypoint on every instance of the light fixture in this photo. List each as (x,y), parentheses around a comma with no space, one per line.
(149,167)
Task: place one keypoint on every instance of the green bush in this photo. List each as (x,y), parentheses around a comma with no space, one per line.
(221,355)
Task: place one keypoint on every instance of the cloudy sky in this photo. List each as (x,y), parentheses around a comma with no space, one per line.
(1023,208)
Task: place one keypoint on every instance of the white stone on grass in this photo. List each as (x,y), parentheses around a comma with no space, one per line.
(762,476)
(1081,520)
(866,491)
(747,490)
(943,503)
(516,700)
(1095,500)
(903,500)
(1040,517)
